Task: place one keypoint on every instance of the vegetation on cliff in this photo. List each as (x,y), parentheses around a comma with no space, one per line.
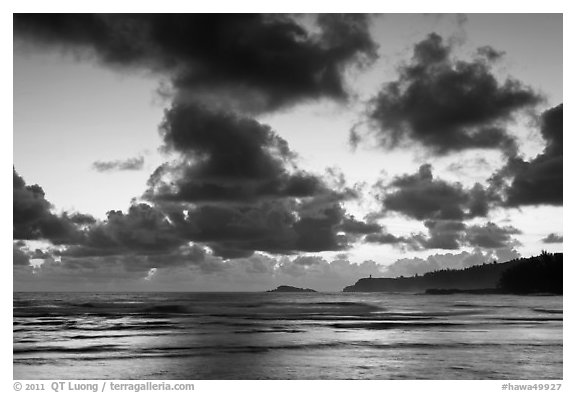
(539,274)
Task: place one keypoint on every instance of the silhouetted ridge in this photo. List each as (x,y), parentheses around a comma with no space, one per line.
(540,274)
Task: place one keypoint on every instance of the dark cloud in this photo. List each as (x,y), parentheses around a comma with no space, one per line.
(234,185)
(261,62)
(490,53)
(22,254)
(479,200)
(226,157)
(451,235)
(445,235)
(33,219)
(353,226)
(30,208)
(536,182)
(421,196)
(539,181)
(82,219)
(319,232)
(142,230)
(237,189)
(441,235)
(234,231)
(281,226)
(553,131)
(414,242)
(442,206)
(448,105)
(553,238)
(131,164)
(19,257)
(189,256)
(491,235)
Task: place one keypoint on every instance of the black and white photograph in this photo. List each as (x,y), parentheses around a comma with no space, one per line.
(287,196)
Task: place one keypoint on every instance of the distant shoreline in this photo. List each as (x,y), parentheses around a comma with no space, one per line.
(542,274)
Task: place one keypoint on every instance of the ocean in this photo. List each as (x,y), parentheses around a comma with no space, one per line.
(215,336)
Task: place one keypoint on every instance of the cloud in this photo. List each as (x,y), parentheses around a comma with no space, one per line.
(353,226)
(234,185)
(143,230)
(231,231)
(275,227)
(414,242)
(442,234)
(451,235)
(22,254)
(19,256)
(30,208)
(33,219)
(130,164)
(237,230)
(82,219)
(191,269)
(448,105)
(258,62)
(411,266)
(321,274)
(237,188)
(491,235)
(552,130)
(421,196)
(490,53)
(445,235)
(112,272)
(226,157)
(553,238)
(538,181)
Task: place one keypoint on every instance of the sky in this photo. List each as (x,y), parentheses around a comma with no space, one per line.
(242,152)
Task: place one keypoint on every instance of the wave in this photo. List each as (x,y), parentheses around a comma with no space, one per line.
(168,309)
(60,349)
(548,311)
(97,352)
(393,325)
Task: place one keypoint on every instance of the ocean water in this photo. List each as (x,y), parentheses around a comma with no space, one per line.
(286,336)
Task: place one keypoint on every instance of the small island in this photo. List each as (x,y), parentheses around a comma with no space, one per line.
(288,288)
